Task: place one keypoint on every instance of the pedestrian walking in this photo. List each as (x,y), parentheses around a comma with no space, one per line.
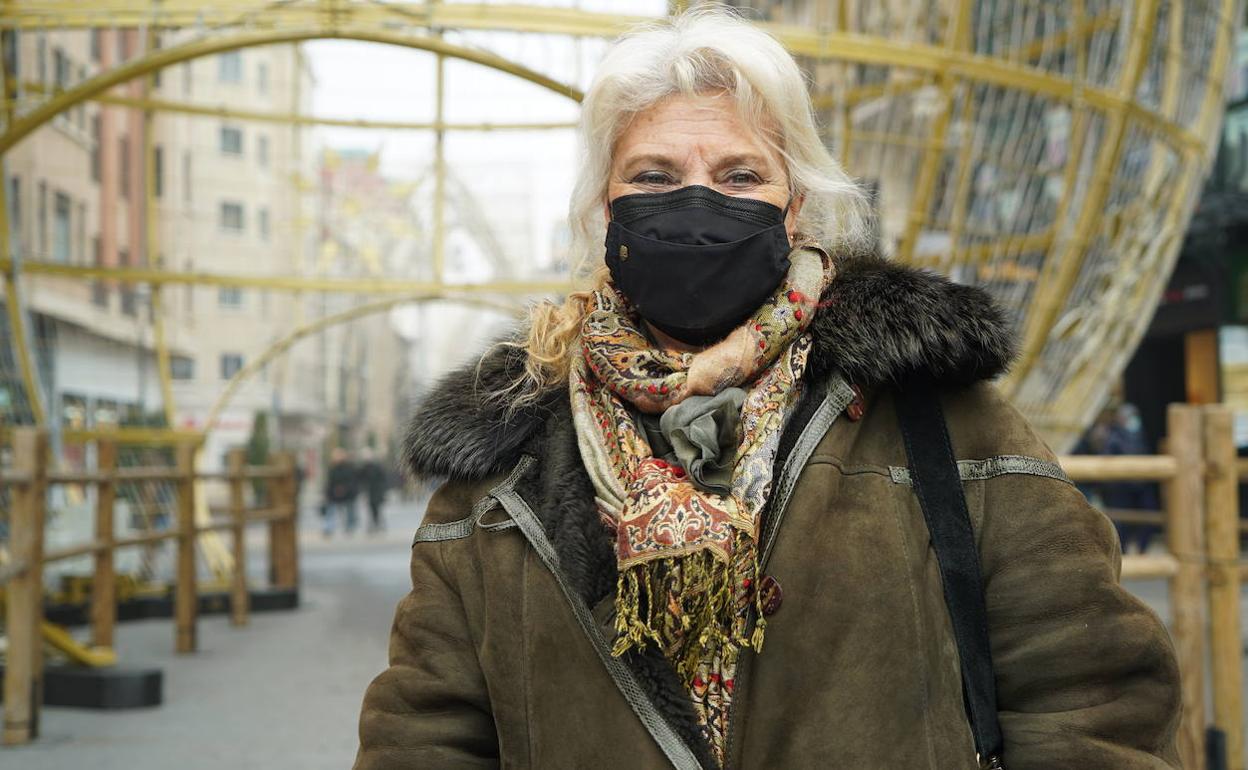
(376,482)
(342,487)
(1125,436)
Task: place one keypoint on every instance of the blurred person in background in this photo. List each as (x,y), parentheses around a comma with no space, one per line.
(376,482)
(342,487)
(686,522)
(1124,435)
(1092,442)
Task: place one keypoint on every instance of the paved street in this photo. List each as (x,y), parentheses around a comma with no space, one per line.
(283,692)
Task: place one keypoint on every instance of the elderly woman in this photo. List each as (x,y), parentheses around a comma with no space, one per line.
(706,513)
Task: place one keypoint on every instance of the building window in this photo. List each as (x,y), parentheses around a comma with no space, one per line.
(126,290)
(123,166)
(156,76)
(230,297)
(182,367)
(61,243)
(80,252)
(230,364)
(262,223)
(190,290)
(262,77)
(60,69)
(41,59)
(186,78)
(123,45)
(262,150)
(230,67)
(95,148)
(99,289)
(15,212)
(158,171)
(81,110)
(96,48)
(8,43)
(41,224)
(231,140)
(186,175)
(232,216)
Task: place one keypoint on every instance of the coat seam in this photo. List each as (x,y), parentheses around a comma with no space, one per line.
(990,468)
(847,469)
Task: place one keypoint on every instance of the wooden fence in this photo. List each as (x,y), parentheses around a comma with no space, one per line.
(22,576)
(1199,474)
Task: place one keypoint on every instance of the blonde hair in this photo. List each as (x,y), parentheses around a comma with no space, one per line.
(707,49)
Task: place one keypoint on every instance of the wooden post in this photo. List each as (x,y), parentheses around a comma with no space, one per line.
(284,532)
(1222,546)
(1185,535)
(186,594)
(104,581)
(23,672)
(235,461)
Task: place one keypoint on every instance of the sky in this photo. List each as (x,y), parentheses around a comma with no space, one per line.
(520,180)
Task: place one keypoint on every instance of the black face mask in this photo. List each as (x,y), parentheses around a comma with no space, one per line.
(694,262)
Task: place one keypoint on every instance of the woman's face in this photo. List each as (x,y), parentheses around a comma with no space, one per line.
(688,140)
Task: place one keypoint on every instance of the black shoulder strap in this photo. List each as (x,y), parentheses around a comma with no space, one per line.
(934,474)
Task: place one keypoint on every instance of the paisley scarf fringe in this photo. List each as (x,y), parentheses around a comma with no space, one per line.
(686,605)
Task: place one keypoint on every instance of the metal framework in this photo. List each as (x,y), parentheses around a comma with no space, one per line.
(1050,150)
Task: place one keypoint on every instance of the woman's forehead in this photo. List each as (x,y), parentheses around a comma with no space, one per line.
(678,126)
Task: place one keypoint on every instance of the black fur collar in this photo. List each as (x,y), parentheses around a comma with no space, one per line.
(880,322)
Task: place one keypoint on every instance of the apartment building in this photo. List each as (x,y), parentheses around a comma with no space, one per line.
(231,201)
(74,194)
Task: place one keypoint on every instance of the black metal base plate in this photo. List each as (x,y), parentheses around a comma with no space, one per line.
(262,600)
(102,688)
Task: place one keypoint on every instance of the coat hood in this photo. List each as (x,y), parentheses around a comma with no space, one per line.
(879,323)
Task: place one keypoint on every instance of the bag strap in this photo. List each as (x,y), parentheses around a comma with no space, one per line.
(935,479)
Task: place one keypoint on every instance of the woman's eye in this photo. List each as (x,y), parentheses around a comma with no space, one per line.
(652,178)
(743,178)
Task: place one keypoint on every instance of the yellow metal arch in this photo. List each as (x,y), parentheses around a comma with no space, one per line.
(165,57)
(281,346)
(155,60)
(950,67)
(165,106)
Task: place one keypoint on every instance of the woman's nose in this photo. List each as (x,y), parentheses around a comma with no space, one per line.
(700,177)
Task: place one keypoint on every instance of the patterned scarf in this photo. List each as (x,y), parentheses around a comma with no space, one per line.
(687,557)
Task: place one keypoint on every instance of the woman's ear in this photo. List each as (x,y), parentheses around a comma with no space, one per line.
(790,219)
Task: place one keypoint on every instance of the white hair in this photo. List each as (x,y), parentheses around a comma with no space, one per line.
(707,50)
(711,49)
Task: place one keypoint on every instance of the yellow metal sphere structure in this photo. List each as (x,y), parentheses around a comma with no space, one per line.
(1049,150)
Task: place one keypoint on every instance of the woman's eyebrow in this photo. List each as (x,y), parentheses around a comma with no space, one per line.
(743,159)
(650,159)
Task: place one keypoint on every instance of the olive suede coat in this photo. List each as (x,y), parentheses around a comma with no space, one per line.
(489,667)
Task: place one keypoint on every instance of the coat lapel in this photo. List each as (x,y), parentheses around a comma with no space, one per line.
(562,496)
